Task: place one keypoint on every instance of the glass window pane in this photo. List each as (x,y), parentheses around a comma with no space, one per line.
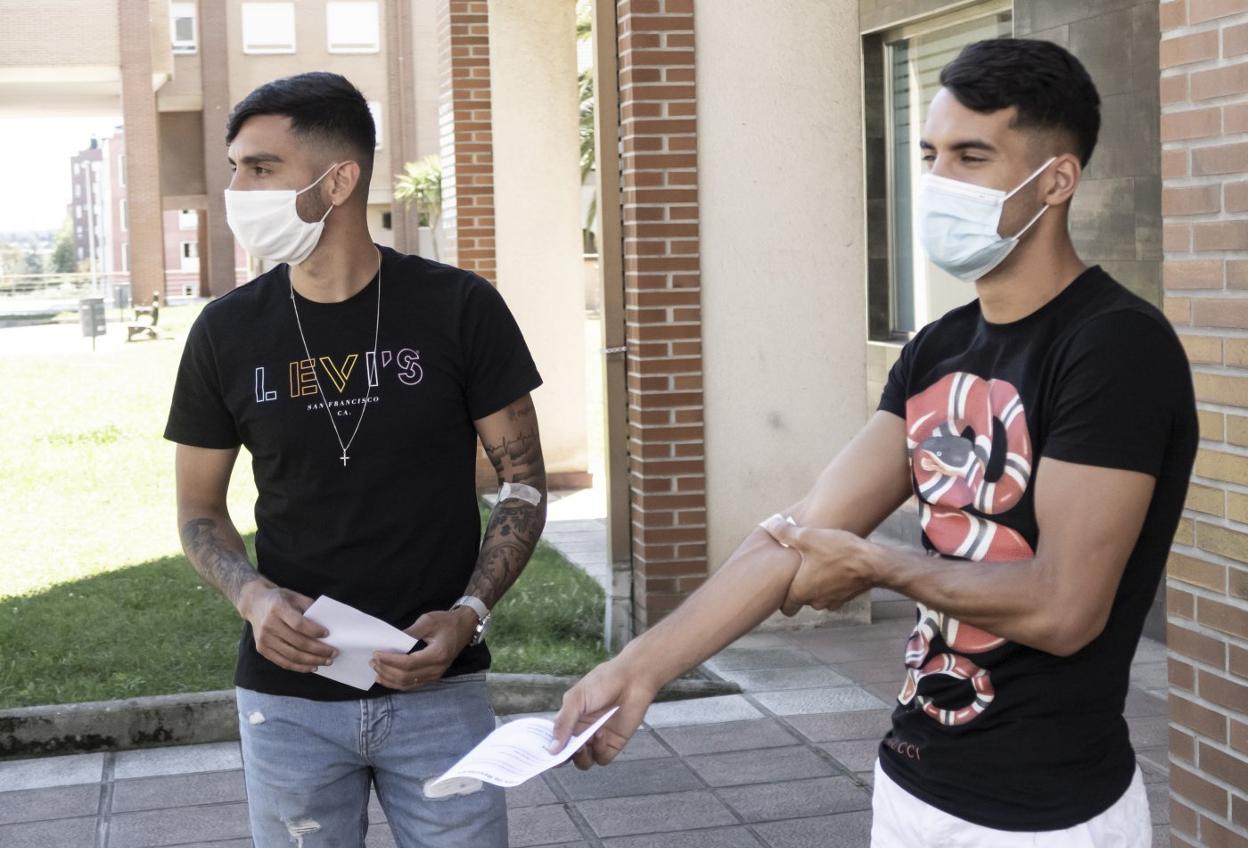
(921,292)
(269,27)
(352,27)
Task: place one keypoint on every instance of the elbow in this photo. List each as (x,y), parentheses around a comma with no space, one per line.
(1069,630)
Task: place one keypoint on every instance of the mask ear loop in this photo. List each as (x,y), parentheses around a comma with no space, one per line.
(317,180)
(1043,209)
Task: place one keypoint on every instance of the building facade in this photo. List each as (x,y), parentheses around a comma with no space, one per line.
(99,216)
(756,176)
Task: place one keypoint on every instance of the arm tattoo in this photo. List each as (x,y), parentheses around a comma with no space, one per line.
(221,564)
(515,525)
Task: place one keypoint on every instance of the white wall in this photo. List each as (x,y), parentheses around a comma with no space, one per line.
(780,167)
(537,207)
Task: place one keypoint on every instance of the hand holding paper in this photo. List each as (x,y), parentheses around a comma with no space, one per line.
(512,754)
(356,635)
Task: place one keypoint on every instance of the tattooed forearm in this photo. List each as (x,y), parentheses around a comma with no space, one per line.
(515,525)
(223,565)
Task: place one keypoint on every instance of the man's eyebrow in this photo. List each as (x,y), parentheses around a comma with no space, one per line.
(967,144)
(257,159)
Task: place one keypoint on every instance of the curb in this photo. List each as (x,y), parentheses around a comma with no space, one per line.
(200,717)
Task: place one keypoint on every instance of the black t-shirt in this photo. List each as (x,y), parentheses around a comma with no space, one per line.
(395,530)
(991,731)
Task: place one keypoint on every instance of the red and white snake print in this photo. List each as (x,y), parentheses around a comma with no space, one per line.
(953,428)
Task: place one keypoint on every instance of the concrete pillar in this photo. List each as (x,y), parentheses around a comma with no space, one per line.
(537,213)
(218,240)
(784,325)
(401,125)
(138,107)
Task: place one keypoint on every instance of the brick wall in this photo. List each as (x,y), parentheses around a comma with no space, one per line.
(467,151)
(467,142)
(662,300)
(1204,133)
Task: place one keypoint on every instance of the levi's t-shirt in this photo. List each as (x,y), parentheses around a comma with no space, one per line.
(991,731)
(395,529)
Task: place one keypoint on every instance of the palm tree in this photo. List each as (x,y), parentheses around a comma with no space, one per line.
(585,90)
(421,184)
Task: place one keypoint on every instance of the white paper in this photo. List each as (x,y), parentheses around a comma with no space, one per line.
(513,753)
(356,635)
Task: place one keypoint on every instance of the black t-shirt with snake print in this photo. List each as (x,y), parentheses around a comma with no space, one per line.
(988,730)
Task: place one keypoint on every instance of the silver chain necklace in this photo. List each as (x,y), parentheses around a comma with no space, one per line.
(368,385)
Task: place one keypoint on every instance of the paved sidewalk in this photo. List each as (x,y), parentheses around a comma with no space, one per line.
(785,765)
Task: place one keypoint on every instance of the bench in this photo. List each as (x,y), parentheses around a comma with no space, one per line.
(145,321)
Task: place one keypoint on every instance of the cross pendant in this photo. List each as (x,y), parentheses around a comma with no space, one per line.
(344,459)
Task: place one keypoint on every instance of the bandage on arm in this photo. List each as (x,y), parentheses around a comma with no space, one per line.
(519,491)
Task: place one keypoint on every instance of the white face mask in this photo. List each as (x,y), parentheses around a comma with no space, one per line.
(267,224)
(959,222)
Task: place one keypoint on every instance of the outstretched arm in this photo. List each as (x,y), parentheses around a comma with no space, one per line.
(866,481)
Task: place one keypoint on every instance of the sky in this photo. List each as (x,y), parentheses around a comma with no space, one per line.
(35,153)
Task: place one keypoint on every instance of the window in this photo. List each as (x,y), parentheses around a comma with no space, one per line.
(125,215)
(190,256)
(188,219)
(125,256)
(182,27)
(268,27)
(77,190)
(375,107)
(77,211)
(121,169)
(907,291)
(352,27)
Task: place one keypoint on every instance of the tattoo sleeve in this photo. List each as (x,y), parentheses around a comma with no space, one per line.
(515,525)
(214,558)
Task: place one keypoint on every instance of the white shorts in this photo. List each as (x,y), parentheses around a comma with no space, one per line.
(900,820)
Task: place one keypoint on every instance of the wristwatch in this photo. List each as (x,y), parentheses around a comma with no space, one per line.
(483,616)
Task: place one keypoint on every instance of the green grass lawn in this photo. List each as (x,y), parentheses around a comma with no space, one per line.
(97,602)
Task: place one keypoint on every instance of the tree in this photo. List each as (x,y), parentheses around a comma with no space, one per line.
(585,91)
(420,184)
(63,259)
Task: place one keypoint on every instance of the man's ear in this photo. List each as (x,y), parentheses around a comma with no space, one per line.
(345,178)
(1062,179)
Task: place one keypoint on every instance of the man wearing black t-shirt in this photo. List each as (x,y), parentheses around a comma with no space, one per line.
(1047,430)
(359,379)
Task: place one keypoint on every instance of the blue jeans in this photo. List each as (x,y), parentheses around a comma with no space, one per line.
(308,765)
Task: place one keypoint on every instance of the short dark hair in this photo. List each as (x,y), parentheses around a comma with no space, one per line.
(1048,86)
(321,106)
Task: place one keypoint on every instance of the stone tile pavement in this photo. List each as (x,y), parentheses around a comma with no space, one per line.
(787,764)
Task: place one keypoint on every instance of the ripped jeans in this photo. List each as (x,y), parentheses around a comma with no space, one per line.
(308,765)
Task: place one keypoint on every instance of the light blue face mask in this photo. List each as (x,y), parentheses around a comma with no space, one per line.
(959,222)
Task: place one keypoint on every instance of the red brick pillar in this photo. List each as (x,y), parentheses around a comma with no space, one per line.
(142,150)
(467,149)
(662,299)
(467,140)
(1204,95)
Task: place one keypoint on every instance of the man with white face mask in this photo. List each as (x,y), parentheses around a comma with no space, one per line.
(1048,430)
(360,380)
